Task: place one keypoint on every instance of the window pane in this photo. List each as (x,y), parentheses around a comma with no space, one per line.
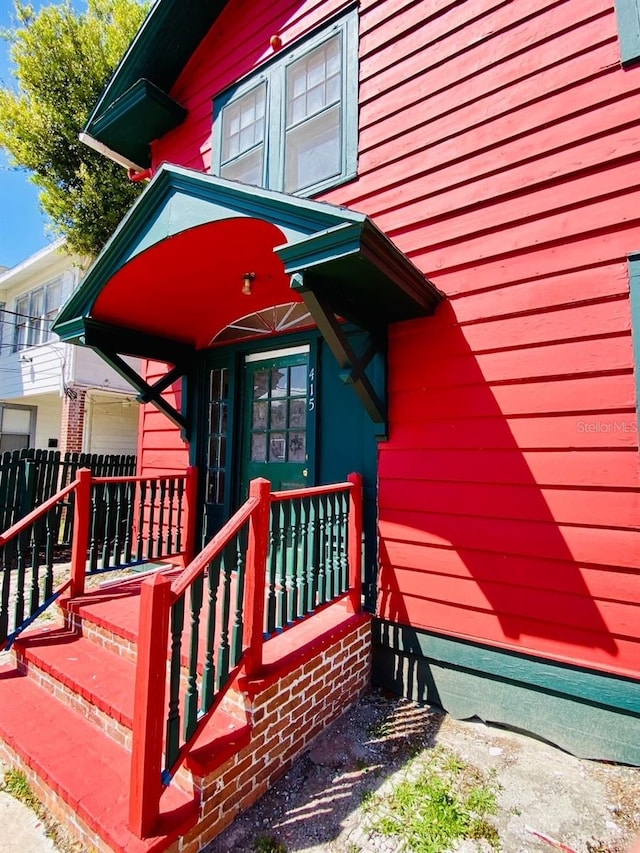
(297,413)
(16,420)
(259,416)
(279,382)
(296,447)
(313,150)
(259,447)
(277,447)
(279,414)
(314,81)
(243,123)
(247,169)
(298,380)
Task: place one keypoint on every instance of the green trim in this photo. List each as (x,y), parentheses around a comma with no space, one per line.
(591,713)
(143,113)
(634,296)
(168,37)
(273,75)
(628,18)
(178,199)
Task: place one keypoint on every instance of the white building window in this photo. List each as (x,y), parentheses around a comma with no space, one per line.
(34,315)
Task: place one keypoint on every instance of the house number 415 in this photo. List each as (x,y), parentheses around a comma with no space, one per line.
(312,389)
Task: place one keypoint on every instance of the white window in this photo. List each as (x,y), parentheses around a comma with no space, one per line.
(34,315)
(17,427)
(293,126)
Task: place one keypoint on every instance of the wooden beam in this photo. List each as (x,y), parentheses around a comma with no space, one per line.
(352,367)
(146,393)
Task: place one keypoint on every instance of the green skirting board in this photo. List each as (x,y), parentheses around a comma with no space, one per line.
(588,713)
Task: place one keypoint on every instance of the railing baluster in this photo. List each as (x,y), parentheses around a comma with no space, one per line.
(223,651)
(172,748)
(312,556)
(161,511)
(238,621)
(292,568)
(273,562)
(20,578)
(322,551)
(142,496)
(180,502)
(93,540)
(172,489)
(51,526)
(117,536)
(344,541)
(152,512)
(34,590)
(303,556)
(5,568)
(107,503)
(209,669)
(281,580)
(191,699)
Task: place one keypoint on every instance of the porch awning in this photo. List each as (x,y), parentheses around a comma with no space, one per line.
(170,279)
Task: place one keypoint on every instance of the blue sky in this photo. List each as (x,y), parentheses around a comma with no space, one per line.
(22,225)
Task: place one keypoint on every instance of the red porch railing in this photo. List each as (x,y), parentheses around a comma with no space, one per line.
(282,557)
(117,522)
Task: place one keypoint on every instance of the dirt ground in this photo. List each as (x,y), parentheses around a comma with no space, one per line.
(317,807)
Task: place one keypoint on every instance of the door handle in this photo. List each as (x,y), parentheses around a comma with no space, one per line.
(305,472)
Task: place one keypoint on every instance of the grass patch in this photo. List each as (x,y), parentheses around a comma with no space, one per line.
(441,800)
(268,844)
(16,784)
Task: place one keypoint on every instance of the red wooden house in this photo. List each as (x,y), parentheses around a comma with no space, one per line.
(398,238)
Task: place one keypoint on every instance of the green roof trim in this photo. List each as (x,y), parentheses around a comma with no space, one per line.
(343,250)
(168,37)
(135,119)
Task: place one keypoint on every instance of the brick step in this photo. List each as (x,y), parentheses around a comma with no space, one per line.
(90,678)
(82,774)
(100,685)
(108,615)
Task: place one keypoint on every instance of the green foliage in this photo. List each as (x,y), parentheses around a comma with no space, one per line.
(268,844)
(63,60)
(16,784)
(441,800)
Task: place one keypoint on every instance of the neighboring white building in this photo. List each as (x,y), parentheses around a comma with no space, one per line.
(53,395)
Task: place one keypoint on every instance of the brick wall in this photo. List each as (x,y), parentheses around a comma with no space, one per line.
(72,421)
(286,716)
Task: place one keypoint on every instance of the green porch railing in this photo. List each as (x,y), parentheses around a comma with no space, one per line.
(282,557)
(117,522)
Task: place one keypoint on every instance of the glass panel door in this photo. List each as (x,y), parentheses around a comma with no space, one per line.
(276,406)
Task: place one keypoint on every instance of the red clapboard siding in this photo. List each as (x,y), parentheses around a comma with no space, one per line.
(575,432)
(498,147)
(572,287)
(615,584)
(585,396)
(572,608)
(577,506)
(547,539)
(555,640)
(615,469)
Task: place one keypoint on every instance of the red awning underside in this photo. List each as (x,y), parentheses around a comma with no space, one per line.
(188,287)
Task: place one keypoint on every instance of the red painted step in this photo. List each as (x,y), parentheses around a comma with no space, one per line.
(87,769)
(101,677)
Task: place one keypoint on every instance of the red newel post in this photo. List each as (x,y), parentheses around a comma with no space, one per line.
(257,550)
(191,501)
(149,708)
(81,528)
(355,542)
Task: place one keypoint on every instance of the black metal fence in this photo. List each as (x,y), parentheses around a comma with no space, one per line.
(30,477)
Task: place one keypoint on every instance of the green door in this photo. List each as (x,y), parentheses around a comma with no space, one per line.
(275,412)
